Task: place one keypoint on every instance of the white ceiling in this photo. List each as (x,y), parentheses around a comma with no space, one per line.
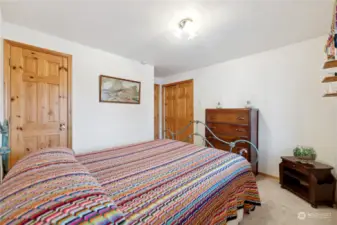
(143,29)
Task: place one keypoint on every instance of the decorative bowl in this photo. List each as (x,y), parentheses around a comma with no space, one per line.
(304,153)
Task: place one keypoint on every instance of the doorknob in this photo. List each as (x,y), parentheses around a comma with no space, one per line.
(62,126)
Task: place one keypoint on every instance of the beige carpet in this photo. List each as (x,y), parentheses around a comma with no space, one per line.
(279,206)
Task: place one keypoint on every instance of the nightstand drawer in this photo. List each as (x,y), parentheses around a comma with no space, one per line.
(296,166)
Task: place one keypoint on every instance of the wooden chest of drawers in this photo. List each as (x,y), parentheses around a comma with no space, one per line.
(234,124)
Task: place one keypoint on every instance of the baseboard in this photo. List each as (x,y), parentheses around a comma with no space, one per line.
(270,176)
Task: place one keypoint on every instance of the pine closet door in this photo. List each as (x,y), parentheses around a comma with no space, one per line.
(179,108)
(38,101)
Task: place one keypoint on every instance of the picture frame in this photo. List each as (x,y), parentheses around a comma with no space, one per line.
(119,90)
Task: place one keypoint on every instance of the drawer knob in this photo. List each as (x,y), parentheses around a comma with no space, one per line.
(240,118)
(213,128)
(240,130)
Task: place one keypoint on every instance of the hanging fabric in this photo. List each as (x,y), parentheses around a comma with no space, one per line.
(331,45)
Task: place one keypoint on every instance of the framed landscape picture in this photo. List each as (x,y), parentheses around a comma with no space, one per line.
(118,90)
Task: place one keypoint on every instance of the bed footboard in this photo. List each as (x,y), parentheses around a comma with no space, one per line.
(172,135)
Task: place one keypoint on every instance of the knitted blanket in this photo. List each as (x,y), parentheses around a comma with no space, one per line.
(172,182)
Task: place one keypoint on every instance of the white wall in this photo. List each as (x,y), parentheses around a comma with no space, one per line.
(159,80)
(285,84)
(98,125)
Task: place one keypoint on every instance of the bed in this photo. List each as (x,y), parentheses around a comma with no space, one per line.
(155,182)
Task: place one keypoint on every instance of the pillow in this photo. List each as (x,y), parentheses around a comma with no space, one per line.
(50,186)
(39,159)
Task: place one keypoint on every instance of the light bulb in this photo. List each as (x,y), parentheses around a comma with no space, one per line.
(186,28)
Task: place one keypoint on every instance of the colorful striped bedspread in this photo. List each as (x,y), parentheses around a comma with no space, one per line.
(156,182)
(52,187)
(172,182)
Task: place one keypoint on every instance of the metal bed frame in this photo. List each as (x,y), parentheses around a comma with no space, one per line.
(197,122)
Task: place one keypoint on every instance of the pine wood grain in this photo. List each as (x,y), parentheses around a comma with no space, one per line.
(178,107)
(17,105)
(38,92)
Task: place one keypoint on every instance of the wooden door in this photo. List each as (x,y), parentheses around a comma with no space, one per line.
(170,116)
(178,108)
(39,110)
(184,109)
(156,111)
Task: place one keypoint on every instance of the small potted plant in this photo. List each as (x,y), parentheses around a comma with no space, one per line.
(305,154)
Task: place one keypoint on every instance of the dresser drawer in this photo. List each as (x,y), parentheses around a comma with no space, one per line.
(217,144)
(234,117)
(222,128)
(227,138)
(296,166)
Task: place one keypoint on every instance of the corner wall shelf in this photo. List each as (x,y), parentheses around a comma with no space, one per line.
(330,95)
(329,79)
(330,64)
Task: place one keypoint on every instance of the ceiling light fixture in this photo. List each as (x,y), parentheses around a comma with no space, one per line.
(186,28)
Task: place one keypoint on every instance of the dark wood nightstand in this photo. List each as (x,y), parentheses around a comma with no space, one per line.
(313,183)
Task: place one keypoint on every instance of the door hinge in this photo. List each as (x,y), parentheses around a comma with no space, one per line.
(9,61)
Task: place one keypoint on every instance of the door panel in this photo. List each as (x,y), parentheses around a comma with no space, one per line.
(63,90)
(30,102)
(179,109)
(184,110)
(38,107)
(53,140)
(54,93)
(18,115)
(170,115)
(30,144)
